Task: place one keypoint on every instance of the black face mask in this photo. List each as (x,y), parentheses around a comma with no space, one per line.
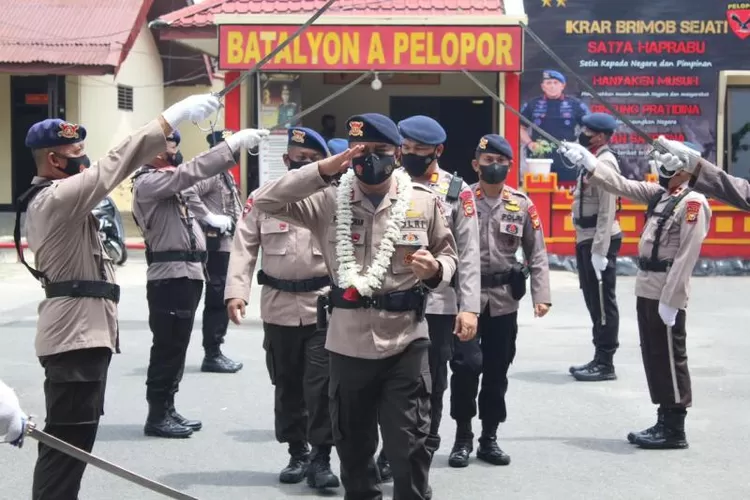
(417,165)
(176,159)
(494,173)
(294,165)
(74,164)
(584,140)
(373,169)
(664,182)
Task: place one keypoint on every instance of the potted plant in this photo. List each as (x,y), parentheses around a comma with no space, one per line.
(538,159)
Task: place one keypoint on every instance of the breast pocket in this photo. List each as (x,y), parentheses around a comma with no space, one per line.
(510,234)
(274,236)
(408,243)
(359,237)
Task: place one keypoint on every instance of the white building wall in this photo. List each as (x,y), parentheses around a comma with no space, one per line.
(105,124)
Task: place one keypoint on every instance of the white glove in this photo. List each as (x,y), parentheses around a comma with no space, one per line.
(247,138)
(578,155)
(12,419)
(599,262)
(679,156)
(220,222)
(668,314)
(195,108)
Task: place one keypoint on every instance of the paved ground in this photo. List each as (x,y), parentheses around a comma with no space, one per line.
(566,438)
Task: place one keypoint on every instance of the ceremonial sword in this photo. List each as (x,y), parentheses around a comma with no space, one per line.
(99,463)
(551,139)
(222,93)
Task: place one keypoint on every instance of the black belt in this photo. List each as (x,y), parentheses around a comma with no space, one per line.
(294,286)
(654,266)
(175,256)
(92,289)
(585,222)
(497,279)
(414,299)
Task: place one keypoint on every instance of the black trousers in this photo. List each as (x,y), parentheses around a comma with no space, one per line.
(394,391)
(171,312)
(297,363)
(496,347)
(215,317)
(605,337)
(74,386)
(440,353)
(664,354)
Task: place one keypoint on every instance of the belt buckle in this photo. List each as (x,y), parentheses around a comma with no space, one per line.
(367,302)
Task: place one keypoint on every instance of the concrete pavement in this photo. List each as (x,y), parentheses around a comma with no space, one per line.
(566,439)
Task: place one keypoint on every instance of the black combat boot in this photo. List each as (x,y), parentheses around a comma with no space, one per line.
(216,362)
(462,446)
(299,461)
(196,425)
(632,436)
(385,473)
(597,371)
(670,435)
(578,368)
(488,450)
(160,424)
(319,474)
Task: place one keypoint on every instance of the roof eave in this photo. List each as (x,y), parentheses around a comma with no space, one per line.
(57,69)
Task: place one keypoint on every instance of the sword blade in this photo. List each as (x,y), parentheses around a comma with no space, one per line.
(99,463)
(601,303)
(322,102)
(510,108)
(275,51)
(649,140)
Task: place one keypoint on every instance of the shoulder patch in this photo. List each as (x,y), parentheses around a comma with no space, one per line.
(692,209)
(534,215)
(467,202)
(248,206)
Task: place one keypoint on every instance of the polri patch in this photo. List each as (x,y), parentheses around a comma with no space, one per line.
(467,201)
(535,222)
(248,207)
(692,209)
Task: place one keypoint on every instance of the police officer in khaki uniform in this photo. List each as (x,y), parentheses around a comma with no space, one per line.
(456,308)
(508,220)
(217,205)
(598,241)
(384,240)
(77,326)
(175,253)
(293,276)
(677,221)
(706,177)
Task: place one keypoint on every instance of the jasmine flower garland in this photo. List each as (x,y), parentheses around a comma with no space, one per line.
(349,271)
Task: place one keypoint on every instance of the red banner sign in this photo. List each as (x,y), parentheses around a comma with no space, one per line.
(384,48)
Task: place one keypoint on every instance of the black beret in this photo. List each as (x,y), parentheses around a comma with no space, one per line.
(600,122)
(54,132)
(307,138)
(423,130)
(373,127)
(495,144)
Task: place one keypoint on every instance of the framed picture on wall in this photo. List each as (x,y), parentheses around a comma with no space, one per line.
(386,78)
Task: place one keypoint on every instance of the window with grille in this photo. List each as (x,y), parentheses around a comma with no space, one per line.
(125,98)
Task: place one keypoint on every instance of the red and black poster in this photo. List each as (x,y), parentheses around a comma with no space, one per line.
(657,62)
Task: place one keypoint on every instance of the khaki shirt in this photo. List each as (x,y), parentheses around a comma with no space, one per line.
(167,223)
(680,241)
(64,236)
(217,195)
(590,200)
(289,252)
(461,216)
(506,224)
(713,181)
(303,197)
